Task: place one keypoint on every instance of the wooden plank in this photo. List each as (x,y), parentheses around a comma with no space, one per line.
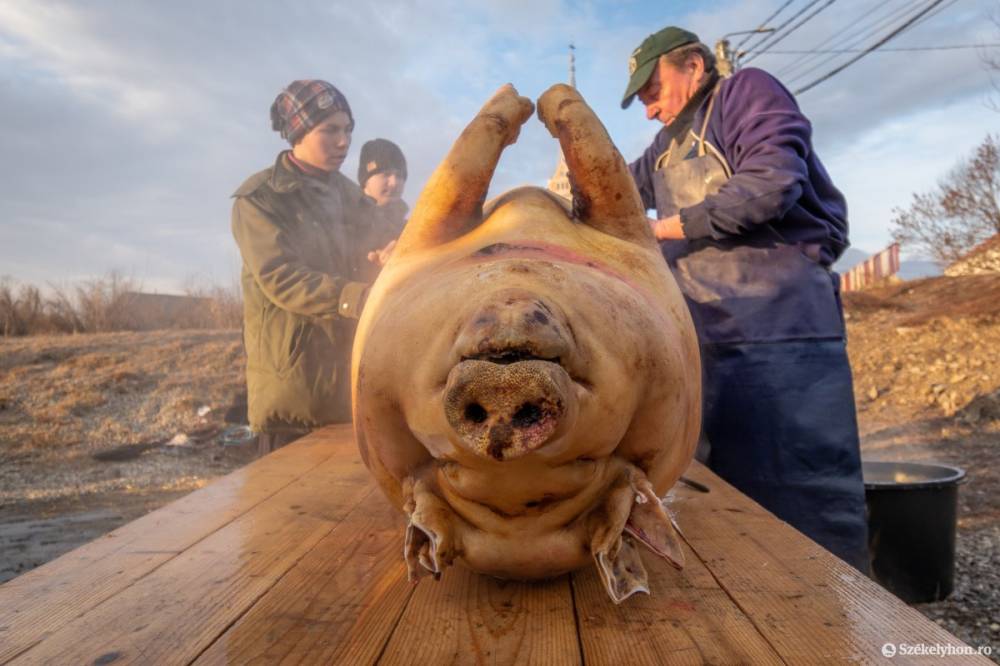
(468,618)
(37,603)
(337,606)
(686,619)
(809,605)
(173,614)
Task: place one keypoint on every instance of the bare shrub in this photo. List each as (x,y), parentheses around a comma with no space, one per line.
(62,312)
(223,305)
(22,309)
(103,304)
(114,303)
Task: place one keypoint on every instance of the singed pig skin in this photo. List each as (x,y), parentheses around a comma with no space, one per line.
(520,369)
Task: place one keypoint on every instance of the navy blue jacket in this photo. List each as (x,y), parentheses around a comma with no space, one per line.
(777,177)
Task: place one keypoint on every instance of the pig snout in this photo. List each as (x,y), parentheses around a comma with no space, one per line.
(510,394)
(505,411)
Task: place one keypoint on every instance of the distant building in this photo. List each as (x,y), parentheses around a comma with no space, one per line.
(148,312)
(980,260)
(559,183)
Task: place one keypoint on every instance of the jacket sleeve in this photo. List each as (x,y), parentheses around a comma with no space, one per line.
(282,276)
(767,141)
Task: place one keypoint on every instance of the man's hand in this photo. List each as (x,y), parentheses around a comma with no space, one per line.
(381,257)
(668,228)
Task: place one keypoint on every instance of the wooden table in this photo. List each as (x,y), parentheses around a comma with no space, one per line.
(298,558)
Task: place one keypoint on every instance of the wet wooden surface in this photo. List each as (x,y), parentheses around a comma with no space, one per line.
(298,558)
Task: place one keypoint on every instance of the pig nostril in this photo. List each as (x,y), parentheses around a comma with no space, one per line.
(474,412)
(526,415)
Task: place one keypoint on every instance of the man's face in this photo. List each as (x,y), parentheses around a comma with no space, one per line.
(385,186)
(669,88)
(325,146)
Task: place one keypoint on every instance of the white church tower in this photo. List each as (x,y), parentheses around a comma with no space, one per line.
(559,183)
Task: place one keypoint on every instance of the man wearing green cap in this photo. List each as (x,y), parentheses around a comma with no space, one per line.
(750,223)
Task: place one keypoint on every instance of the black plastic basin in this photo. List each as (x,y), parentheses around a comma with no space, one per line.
(912,511)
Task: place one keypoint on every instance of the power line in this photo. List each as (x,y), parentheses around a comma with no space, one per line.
(935,13)
(783,26)
(803,61)
(791,30)
(908,48)
(859,37)
(764,23)
(871,48)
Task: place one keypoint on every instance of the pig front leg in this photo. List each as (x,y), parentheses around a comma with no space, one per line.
(650,523)
(617,559)
(630,510)
(451,203)
(430,543)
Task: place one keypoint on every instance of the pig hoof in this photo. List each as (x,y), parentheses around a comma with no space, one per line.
(430,545)
(622,571)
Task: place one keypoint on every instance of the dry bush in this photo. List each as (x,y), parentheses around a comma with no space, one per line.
(113,303)
(223,305)
(22,309)
(103,304)
(62,313)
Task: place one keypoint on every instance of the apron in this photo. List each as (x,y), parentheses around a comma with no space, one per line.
(778,401)
(756,288)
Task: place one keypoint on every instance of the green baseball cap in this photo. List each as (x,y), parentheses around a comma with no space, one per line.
(643,60)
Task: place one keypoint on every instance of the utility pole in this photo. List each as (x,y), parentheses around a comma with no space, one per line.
(723,57)
(725,60)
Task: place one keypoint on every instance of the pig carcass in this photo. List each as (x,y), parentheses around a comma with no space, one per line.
(526,377)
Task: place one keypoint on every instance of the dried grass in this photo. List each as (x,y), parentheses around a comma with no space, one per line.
(110,389)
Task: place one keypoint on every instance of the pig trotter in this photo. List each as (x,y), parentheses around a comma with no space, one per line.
(631,510)
(622,572)
(429,546)
(617,559)
(649,522)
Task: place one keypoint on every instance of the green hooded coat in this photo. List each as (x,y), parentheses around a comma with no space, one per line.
(305,278)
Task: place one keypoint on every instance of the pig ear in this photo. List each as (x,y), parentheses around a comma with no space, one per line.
(604,194)
(452,202)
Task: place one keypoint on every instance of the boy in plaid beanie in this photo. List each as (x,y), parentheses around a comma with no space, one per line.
(303,230)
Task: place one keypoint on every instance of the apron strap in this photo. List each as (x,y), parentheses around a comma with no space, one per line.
(708,116)
(692,139)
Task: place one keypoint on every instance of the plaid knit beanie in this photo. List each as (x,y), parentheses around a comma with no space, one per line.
(378,156)
(304,104)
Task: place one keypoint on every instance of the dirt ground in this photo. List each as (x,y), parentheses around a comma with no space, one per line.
(97,430)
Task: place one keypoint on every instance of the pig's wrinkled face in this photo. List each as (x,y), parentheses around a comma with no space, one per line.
(510,364)
(526,381)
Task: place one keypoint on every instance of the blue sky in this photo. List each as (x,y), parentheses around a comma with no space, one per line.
(127,125)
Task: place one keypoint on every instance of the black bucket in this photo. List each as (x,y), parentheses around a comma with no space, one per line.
(911,527)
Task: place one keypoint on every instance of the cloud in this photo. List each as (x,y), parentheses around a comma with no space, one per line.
(131,123)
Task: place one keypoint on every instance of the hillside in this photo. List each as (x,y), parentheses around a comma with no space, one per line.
(926,360)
